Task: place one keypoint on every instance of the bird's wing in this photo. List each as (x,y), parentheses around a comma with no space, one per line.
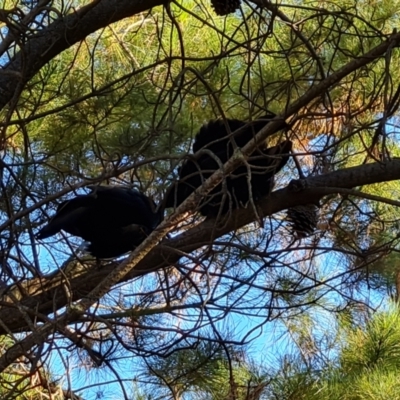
(68,213)
(215,136)
(130,206)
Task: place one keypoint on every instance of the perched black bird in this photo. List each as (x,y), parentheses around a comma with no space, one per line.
(114,220)
(234,192)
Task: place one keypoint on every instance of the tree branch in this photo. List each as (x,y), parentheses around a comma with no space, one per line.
(45,295)
(62,34)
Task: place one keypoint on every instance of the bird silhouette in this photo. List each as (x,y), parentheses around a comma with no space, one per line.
(216,145)
(114,220)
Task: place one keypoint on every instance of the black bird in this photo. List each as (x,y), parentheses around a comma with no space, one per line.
(114,220)
(214,137)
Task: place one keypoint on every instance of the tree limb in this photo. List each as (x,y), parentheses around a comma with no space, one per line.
(47,294)
(62,34)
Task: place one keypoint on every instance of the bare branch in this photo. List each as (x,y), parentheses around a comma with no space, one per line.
(62,34)
(47,294)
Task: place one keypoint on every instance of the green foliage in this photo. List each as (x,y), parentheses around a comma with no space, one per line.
(368,362)
(204,371)
(122,106)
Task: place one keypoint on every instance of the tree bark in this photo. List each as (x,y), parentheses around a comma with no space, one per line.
(47,294)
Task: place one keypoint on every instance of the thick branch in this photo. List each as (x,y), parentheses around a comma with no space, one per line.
(47,294)
(62,34)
